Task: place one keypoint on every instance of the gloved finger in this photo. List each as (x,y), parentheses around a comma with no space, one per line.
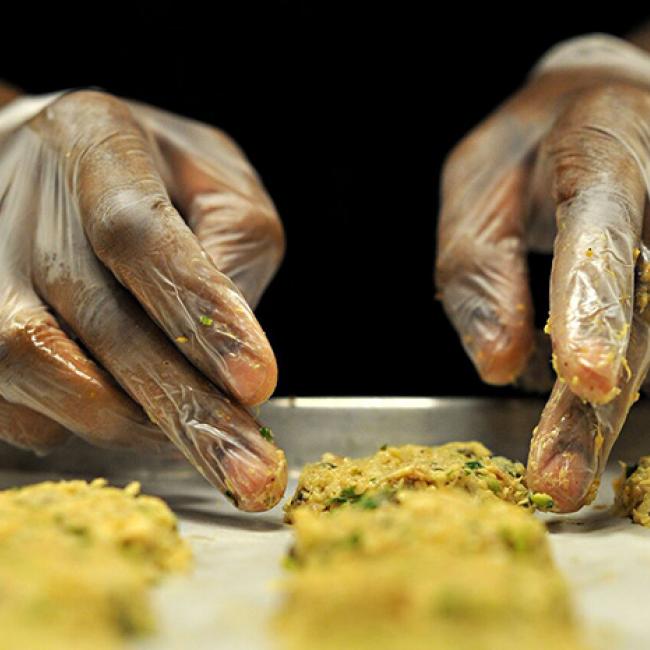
(42,369)
(573,440)
(599,153)
(222,198)
(481,271)
(221,439)
(571,444)
(27,429)
(136,232)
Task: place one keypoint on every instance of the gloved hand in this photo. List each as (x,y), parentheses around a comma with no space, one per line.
(133,244)
(562,166)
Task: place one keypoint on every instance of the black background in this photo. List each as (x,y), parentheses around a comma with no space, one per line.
(347,110)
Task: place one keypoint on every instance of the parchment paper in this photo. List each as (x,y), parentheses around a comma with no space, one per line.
(226,602)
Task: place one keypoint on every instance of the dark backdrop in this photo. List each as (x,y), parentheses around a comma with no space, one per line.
(347,111)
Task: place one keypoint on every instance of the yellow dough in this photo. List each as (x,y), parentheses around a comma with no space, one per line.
(76,562)
(335,480)
(633,491)
(421,548)
(430,570)
(413,521)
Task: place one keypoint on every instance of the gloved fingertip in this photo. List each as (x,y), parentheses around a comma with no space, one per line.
(255,485)
(566,452)
(252,380)
(498,338)
(567,477)
(501,362)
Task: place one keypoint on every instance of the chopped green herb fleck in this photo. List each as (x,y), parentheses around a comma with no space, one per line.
(384,447)
(368,503)
(473,464)
(78,531)
(206,321)
(347,495)
(266,433)
(353,540)
(290,563)
(516,540)
(541,500)
(374,500)
(513,468)
(493,484)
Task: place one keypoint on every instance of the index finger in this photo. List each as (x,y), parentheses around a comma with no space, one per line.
(137,233)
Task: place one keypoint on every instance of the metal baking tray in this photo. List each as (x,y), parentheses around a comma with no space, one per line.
(226,602)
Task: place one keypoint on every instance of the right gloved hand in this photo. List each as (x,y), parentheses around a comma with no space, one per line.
(564,165)
(93,249)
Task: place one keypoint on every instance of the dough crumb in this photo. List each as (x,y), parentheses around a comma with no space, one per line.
(632,490)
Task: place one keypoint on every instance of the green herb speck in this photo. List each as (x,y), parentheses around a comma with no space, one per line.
(353,540)
(515,539)
(493,484)
(347,495)
(473,464)
(206,321)
(368,503)
(541,500)
(266,433)
(290,563)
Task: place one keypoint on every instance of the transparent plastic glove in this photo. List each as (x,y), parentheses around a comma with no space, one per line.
(124,233)
(563,165)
